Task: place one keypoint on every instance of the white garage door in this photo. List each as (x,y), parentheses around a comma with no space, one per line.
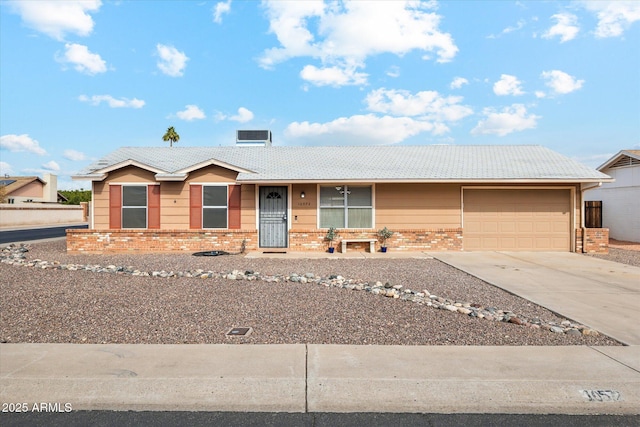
(517,220)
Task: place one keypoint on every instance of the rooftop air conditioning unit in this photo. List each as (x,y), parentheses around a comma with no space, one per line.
(253,138)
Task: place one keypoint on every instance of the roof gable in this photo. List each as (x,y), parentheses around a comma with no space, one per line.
(623,158)
(14,183)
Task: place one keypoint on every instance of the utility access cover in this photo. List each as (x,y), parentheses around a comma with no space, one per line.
(239,332)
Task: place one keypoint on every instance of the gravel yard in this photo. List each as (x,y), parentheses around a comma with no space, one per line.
(61,306)
(624,256)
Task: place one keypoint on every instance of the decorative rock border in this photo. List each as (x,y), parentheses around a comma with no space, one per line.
(15,255)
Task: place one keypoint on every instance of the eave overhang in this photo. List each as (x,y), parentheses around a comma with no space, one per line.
(427,181)
(89,177)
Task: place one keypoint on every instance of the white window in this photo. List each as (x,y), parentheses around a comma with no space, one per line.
(134,206)
(214,206)
(346,206)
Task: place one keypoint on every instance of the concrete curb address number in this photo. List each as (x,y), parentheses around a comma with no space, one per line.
(601,395)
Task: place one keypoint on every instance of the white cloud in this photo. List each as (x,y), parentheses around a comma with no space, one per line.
(172,62)
(393,71)
(501,123)
(51,166)
(190,113)
(74,155)
(17,143)
(614,17)
(55,18)
(5,169)
(343,34)
(243,116)
(332,76)
(566,27)
(427,105)
(520,25)
(360,130)
(561,82)
(113,102)
(458,82)
(540,94)
(220,9)
(82,59)
(507,85)
(403,115)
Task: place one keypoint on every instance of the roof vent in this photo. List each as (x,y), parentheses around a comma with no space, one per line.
(625,161)
(253,138)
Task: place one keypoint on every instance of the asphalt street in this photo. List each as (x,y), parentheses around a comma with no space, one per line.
(317,419)
(27,234)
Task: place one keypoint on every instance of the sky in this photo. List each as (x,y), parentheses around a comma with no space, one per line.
(79,79)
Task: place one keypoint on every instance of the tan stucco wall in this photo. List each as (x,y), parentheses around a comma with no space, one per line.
(407,206)
(31,190)
(248,207)
(304,211)
(396,206)
(174,196)
(39,214)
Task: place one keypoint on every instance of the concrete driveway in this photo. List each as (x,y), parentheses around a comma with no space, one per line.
(603,295)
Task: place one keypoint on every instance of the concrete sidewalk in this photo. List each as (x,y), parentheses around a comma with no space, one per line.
(324,378)
(601,294)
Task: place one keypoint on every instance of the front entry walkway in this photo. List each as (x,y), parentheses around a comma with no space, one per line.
(601,294)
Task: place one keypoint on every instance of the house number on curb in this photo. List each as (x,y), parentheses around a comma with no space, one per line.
(601,395)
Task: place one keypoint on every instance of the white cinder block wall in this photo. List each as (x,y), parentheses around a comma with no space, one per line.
(620,203)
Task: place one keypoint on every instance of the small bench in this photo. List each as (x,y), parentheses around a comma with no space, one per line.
(372,244)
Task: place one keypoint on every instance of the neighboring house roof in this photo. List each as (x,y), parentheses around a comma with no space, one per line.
(622,158)
(425,163)
(14,183)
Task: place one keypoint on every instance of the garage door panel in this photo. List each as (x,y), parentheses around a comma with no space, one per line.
(489,226)
(517,220)
(543,227)
(507,226)
(525,227)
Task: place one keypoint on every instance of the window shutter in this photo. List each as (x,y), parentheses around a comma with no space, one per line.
(115,207)
(234,206)
(195,206)
(153,206)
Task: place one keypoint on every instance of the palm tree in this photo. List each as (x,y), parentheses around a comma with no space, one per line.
(171,136)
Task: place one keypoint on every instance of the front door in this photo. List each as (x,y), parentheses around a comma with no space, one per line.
(273,217)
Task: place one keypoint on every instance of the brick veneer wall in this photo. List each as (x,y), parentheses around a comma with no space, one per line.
(147,241)
(402,240)
(578,248)
(595,240)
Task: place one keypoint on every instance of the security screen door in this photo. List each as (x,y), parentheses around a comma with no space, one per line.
(273,217)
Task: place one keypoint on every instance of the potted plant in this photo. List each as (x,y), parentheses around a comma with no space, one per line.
(384,234)
(332,233)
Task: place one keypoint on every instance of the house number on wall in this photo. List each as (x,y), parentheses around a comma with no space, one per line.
(304,203)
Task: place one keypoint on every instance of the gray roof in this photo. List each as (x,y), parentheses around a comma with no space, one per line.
(453,163)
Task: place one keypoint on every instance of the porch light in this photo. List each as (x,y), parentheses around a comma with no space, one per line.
(302,195)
